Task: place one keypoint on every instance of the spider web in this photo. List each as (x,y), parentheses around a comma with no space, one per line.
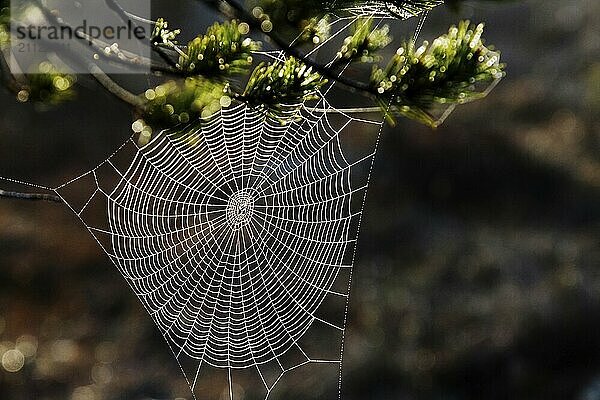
(238,233)
(393,9)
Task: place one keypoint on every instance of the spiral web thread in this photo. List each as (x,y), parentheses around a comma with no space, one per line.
(238,235)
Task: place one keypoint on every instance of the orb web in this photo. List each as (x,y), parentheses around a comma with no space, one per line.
(233,237)
(240,209)
(238,234)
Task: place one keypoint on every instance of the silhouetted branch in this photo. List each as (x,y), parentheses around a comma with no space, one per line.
(30,196)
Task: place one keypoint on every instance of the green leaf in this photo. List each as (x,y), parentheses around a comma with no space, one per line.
(163,35)
(364,42)
(455,68)
(283,85)
(223,50)
(46,85)
(4,25)
(176,102)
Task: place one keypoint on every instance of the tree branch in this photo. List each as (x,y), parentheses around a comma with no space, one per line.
(9,79)
(30,196)
(116,7)
(96,72)
(241,13)
(136,61)
(114,88)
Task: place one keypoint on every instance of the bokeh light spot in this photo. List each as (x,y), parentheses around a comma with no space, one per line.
(13,360)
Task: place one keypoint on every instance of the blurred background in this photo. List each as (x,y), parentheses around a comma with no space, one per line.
(477,274)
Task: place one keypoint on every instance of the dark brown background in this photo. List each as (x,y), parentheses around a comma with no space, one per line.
(478,267)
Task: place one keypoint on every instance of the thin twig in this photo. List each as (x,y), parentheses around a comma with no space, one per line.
(242,14)
(97,73)
(31,196)
(116,7)
(119,91)
(132,59)
(9,79)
